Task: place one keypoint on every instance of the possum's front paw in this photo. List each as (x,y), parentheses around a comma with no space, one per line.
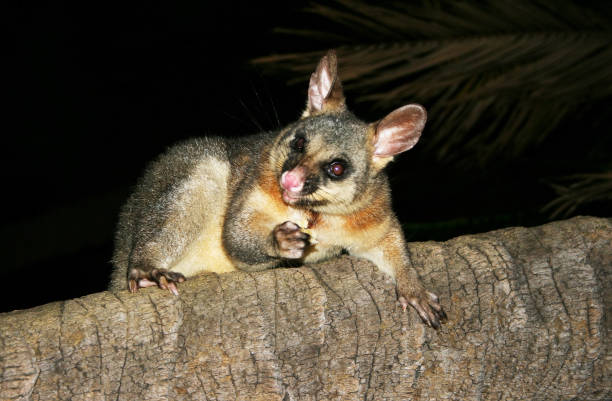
(424,302)
(289,241)
(163,278)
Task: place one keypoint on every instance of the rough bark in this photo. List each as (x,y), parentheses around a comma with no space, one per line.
(529,314)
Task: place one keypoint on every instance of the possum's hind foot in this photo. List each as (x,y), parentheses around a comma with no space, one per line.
(163,278)
(426,304)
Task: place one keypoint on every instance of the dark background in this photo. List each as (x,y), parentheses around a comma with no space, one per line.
(96,91)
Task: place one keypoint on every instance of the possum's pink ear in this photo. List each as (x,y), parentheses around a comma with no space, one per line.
(325,90)
(399,131)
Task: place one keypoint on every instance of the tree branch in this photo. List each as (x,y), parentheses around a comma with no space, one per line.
(529,318)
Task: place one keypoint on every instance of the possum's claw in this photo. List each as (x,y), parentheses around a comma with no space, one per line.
(163,278)
(427,306)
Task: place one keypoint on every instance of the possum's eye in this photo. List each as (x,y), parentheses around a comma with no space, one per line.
(298,143)
(336,169)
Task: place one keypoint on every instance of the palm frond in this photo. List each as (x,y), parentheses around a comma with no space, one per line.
(577,190)
(495,76)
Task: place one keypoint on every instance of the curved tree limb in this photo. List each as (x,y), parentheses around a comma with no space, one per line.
(529,318)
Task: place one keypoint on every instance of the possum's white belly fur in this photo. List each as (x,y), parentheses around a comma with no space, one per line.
(205,190)
(206,253)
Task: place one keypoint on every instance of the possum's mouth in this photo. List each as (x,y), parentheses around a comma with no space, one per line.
(301,200)
(290,197)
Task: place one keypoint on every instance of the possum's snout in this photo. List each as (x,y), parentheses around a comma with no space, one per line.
(293,180)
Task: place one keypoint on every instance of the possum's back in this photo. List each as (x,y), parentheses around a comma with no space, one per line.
(186,187)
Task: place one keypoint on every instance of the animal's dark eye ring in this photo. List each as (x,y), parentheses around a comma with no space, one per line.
(336,169)
(298,143)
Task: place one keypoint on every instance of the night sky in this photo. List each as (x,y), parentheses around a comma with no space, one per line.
(95,91)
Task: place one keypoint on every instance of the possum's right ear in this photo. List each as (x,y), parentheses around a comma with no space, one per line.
(325,90)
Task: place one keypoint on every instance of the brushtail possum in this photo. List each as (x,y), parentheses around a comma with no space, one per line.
(306,193)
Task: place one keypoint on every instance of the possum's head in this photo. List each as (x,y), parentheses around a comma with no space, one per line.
(327,160)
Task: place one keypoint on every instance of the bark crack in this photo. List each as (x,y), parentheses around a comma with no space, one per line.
(504,264)
(127,328)
(224,346)
(378,334)
(158,317)
(59,340)
(98,339)
(33,358)
(179,339)
(569,349)
(530,291)
(275,273)
(324,284)
(552,272)
(445,258)
(476,286)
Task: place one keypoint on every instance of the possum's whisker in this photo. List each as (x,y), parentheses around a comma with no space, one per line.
(325,195)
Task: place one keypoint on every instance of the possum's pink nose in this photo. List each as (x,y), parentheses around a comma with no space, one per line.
(293,180)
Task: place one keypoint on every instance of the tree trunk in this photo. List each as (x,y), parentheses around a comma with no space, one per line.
(529,318)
